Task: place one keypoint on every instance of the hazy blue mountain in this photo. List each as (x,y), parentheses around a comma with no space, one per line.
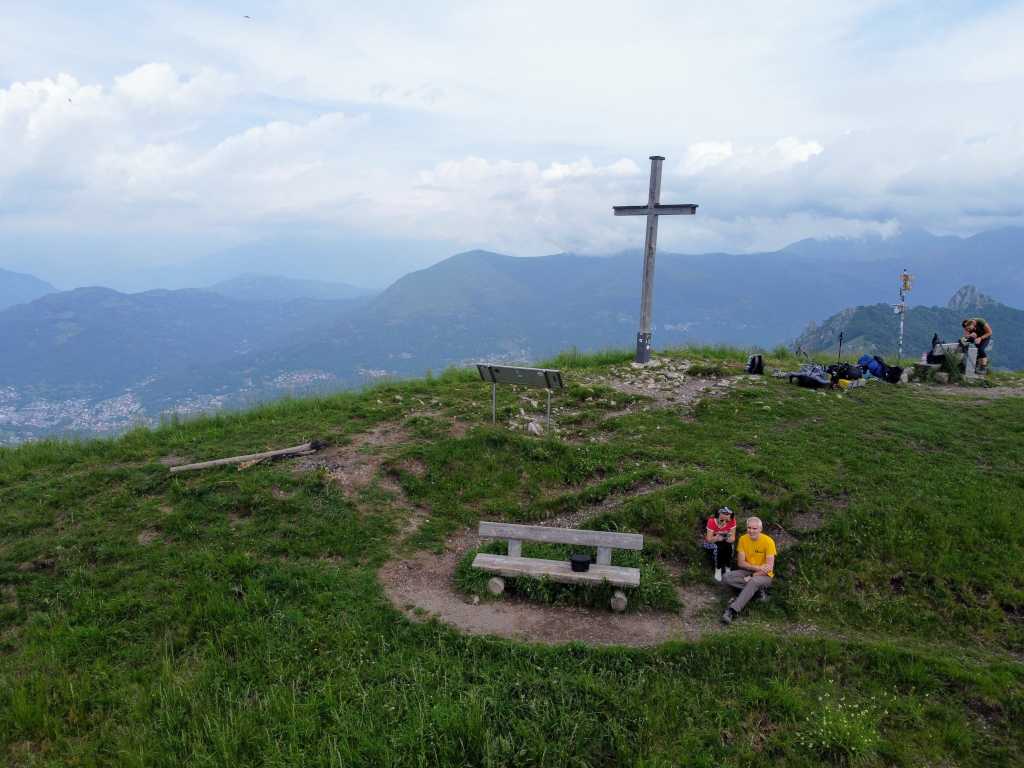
(939,264)
(18,288)
(371,263)
(254,287)
(874,329)
(97,343)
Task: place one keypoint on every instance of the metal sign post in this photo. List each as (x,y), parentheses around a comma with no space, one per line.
(652,211)
(538,378)
(901,308)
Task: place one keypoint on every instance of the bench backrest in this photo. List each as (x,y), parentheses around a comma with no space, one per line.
(605,541)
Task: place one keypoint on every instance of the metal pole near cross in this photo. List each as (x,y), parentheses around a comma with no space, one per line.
(652,211)
(901,308)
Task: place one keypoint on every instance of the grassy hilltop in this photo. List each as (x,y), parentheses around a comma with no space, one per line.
(229,618)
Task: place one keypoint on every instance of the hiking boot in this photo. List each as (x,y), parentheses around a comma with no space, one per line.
(728,616)
(718,574)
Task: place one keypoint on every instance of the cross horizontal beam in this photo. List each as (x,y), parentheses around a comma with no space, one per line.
(685,209)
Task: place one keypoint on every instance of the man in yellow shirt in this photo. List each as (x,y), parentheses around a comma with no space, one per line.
(755,561)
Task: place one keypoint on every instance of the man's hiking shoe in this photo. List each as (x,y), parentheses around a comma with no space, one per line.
(728,616)
(762,594)
(718,574)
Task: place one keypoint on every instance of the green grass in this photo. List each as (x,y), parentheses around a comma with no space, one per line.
(252,630)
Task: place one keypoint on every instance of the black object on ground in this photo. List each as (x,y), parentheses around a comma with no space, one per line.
(580,563)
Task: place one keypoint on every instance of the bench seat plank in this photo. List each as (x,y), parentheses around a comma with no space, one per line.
(574,536)
(557,570)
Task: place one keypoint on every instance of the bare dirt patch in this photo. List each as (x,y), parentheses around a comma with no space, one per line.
(975,393)
(421,587)
(354,466)
(807,521)
(575,517)
(666,382)
(414,467)
(783,539)
(148,536)
(39,564)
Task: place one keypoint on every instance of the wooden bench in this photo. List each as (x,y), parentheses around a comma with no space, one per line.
(514,564)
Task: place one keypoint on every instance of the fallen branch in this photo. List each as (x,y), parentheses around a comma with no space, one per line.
(248,460)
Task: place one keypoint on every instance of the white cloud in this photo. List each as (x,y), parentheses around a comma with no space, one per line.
(518,126)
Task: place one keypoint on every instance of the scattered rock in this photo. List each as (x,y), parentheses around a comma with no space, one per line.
(414,467)
(783,538)
(535,428)
(148,536)
(942,377)
(352,466)
(40,564)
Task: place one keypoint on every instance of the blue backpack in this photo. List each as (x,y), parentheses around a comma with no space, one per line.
(876,367)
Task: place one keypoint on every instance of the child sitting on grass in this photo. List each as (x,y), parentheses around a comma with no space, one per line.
(719,536)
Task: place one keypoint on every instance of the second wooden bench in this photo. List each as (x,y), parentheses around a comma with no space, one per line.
(514,564)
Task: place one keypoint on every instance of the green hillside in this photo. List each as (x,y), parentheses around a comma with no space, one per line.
(234,618)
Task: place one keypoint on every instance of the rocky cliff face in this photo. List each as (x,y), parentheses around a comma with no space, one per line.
(970,297)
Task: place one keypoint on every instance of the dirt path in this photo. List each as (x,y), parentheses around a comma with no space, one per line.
(421,587)
(975,393)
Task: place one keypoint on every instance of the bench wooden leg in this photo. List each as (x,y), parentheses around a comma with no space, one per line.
(619,601)
(496,585)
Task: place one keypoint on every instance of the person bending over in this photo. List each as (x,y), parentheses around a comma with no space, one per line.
(755,568)
(719,536)
(980,332)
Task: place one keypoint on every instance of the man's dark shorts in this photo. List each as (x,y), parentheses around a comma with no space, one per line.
(983,347)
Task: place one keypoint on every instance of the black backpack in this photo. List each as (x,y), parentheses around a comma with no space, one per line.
(890,373)
(755,365)
(844,371)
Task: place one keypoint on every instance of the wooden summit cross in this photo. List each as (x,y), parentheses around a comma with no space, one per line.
(652,211)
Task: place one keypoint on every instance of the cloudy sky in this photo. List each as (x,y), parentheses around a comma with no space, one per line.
(164,130)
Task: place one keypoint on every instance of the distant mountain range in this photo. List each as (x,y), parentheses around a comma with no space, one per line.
(874,329)
(18,288)
(255,336)
(253,287)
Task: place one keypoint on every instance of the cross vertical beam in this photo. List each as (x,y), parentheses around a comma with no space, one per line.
(652,211)
(643,338)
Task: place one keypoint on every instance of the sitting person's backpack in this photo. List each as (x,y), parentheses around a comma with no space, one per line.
(755,365)
(873,365)
(876,367)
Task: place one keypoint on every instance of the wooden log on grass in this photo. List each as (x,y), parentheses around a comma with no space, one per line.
(298,450)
